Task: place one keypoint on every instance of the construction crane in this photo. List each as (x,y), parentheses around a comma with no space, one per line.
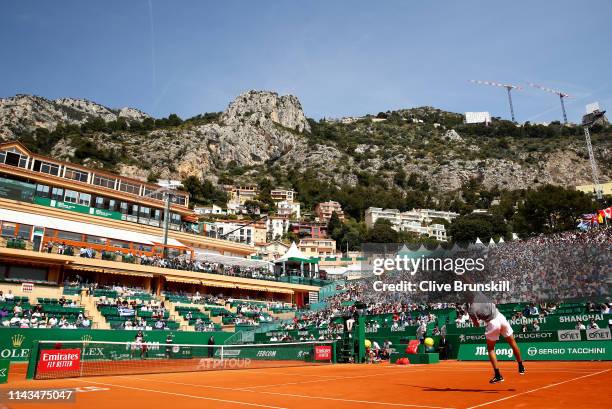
(509,88)
(587,122)
(559,93)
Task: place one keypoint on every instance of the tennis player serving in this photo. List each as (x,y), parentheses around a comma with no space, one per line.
(482,309)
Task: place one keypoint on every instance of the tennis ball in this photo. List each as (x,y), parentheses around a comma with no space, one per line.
(429,342)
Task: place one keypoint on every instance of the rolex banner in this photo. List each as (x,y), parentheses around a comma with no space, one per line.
(542,351)
(16,343)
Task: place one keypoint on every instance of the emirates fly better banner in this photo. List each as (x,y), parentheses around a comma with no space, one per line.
(54,360)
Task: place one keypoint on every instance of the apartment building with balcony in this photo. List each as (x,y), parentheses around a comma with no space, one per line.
(416,220)
(324,211)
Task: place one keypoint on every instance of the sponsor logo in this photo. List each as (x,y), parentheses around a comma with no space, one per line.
(17,340)
(323,352)
(481,350)
(533,335)
(568,335)
(52,360)
(92,352)
(598,334)
(232,363)
(266,354)
(532,351)
(583,318)
(523,320)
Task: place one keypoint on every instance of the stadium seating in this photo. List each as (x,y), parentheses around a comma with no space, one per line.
(43,310)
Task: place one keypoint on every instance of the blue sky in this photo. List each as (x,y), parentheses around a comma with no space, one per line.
(339,57)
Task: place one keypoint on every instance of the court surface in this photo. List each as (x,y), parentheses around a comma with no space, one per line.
(450,384)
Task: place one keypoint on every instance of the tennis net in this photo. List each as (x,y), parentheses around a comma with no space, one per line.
(66,359)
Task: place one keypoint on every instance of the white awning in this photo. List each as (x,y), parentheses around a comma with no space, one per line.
(204,256)
(362,268)
(83,228)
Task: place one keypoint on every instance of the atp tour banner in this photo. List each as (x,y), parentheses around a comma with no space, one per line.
(538,351)
(16,343)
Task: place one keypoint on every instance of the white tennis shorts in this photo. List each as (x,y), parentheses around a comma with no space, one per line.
(498,325)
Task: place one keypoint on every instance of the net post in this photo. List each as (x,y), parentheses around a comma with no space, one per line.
(361,337)
(32,360)
(334,344)
(221,354)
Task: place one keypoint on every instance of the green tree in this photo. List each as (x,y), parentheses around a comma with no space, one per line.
(476,225)
(203,192)
(549,209)
(334,226)
(382,232)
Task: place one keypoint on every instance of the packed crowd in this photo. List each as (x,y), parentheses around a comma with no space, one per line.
(554,267)
(20,315)
(543,269)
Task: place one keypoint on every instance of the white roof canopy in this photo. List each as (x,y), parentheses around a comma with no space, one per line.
(83,228)
(230,260)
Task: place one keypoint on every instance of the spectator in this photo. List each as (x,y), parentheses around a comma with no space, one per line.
(443,348)
(211,349)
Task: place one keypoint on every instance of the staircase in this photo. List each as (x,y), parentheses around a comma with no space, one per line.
(98,320)
(174,315)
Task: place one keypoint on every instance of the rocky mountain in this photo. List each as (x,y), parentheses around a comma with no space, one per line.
(264,135)
(24,113)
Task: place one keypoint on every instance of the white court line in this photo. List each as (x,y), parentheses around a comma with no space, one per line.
(182,394)
(537,389)
(407,405)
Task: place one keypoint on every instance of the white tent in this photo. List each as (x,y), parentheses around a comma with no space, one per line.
(292,253)
(491,242)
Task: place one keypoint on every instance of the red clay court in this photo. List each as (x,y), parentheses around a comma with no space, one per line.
(450,384)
